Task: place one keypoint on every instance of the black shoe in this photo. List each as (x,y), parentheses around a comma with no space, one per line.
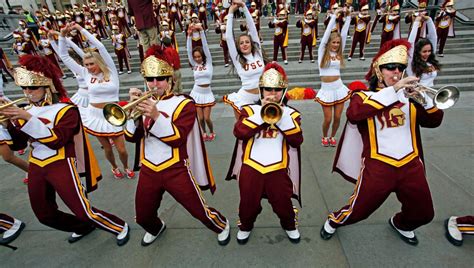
(8,240)
(411,241)
(76,237)
(451,239)
(324,234)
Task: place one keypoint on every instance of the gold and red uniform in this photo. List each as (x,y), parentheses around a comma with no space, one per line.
(308,36)
(280,37)
(123,20)
(220,29)
(175,16)
(390,28)
(266,163)
(445,26)
(119,41)
(174,160)
(99,22)
(361,32)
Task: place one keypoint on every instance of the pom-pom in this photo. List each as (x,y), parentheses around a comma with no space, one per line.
(300,93)
(357,86)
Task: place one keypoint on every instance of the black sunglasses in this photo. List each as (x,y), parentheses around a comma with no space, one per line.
(272,89)
(30,87)
(158,78)
(393,66)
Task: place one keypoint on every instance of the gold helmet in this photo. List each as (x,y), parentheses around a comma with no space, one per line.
(156,64)
(394,51)
(282,12)
(273,76)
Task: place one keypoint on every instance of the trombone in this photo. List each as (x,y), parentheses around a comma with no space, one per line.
(118,116)
(4,106)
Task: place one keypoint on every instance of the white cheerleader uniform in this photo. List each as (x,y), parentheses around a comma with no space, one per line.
(100,89)
(253,69)
(334,92)
(203,96)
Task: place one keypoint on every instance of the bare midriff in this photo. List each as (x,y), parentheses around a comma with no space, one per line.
(99,105)
(205,85)
(253,91)
(330,79)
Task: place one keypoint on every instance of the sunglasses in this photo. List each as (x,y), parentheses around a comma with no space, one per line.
(393,66)
(30,87)
(158,78)
(270,89)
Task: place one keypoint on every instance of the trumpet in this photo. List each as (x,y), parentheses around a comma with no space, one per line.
(272,112)
(443,98)
(4,106)
(118,116)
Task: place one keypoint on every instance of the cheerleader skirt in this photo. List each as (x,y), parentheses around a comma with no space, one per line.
(81,98)
(95,124)
(203,96)
(5,137)
(240,98)
(332,93)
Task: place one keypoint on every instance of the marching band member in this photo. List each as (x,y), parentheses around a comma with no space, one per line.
(44,46)
(280,37)
(28,35)
(334,7)
(60,152)
(266,157)
(308,36)
(381,148)
(390,23)
(221,29)
(196,36)
(102,80)
(445,24)
(98,19)
(410,19)
(333,92)
(21,46)
(175,16)
(10,228)
(201,63)
(247,60)
(42,21)
(119,41)
(122,18)
(456,227)
(362,28)
(174,157)
(422,61)
(169,34)
(202,13)
(78,15)
(256,21)
(378,13)
(136,36)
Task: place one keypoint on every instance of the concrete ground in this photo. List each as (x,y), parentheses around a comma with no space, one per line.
(370,243)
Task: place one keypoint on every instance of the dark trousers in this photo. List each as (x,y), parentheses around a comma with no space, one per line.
(278,44)
(376,182)
(180,184)
(276,186)
(306,41)
(197,43)
(122,56)
(466,224)
(386,36)
(442,38)
(359,37)
(61,177)
(6,222)
(226,51)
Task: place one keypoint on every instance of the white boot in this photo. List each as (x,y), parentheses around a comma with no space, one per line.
(223,237)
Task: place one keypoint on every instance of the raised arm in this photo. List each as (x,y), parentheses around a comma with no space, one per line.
(411,39)
(189,51)
(67,60)
(251,26)
(324,40)
(102,50)
(76,48)
(205,47)
(432,35)
(345,31)
(229,37)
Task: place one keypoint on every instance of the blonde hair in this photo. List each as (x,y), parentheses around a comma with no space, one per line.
(327,55)
(100,62)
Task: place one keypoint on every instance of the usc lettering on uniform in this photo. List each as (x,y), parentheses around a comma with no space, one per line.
(94,80)
(253,65)
(268,133)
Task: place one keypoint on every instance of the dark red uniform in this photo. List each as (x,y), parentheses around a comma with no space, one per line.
(280,38)
(360,34)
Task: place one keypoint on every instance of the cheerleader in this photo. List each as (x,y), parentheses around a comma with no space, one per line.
(201,62)
(333,92)
(422,60)
(102,81)
(247,60)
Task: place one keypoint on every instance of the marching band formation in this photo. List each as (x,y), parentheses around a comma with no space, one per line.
(169,129)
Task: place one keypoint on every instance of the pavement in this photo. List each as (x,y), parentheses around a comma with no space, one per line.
(187,243)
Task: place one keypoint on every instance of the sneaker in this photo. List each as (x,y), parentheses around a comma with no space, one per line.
(226,65)
(76,237)
(407,236)
(223,237)
(327,231)
(129,71)
(325,141)
(293,235)
(242,237)
(22,152)
(300,61)
(64,77)
(362,58)
(349,58)
(130,173)
(25,181)
(453,234)
(440,55)
(120,72)
(12,233)
(148,238)
(286,62)
(123,236)
(312,61)
(332,142)
(117,173)
(211,137)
